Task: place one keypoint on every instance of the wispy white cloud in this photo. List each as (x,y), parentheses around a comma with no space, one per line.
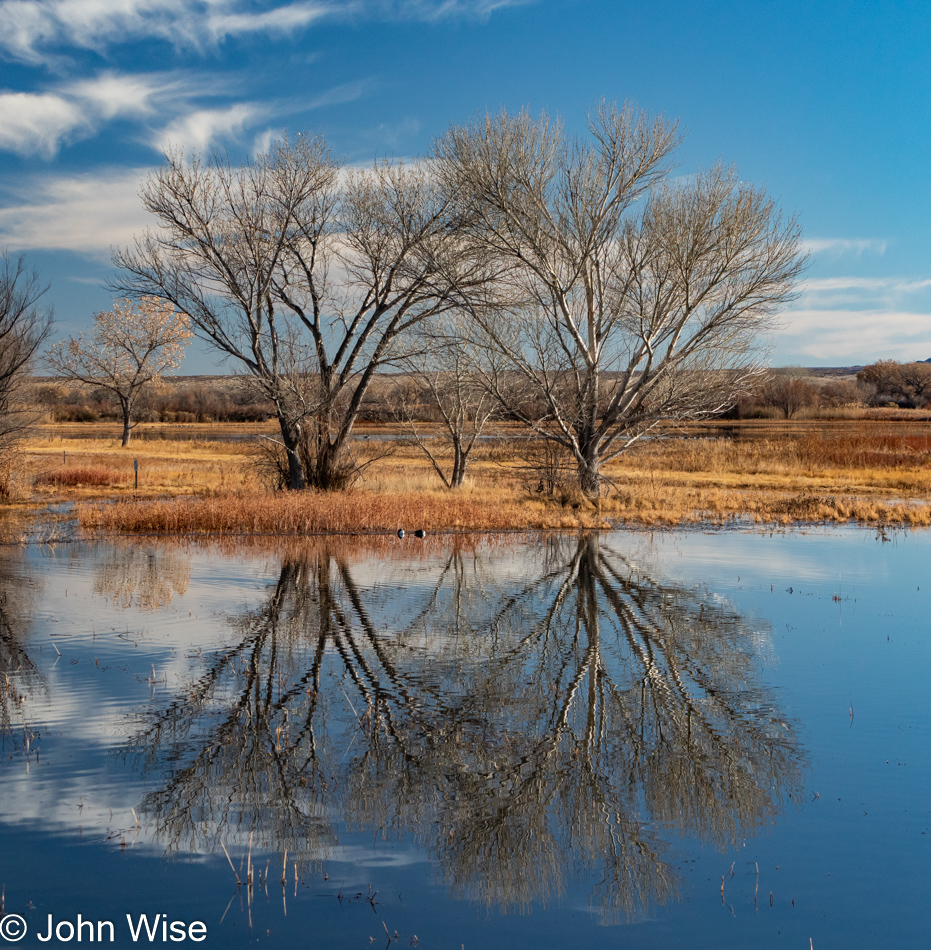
(263,141)
(42,122)
(38,123)
(337,95)
(284,19)
(884,284)
(860,292)
(112,94)
(29,28)
(853,319)
(838,247)
(83,213)
(434,10)
(198,130)
(846,335)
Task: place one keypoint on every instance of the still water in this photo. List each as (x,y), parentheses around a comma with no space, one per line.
(686,739)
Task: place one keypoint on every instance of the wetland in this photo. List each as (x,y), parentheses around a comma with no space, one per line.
(686,738)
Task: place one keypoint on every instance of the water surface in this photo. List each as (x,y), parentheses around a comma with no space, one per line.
(495,742)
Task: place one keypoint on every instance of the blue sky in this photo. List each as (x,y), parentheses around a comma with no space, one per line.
(828,105)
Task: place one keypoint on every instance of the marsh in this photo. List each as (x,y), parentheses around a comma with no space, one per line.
(499,741)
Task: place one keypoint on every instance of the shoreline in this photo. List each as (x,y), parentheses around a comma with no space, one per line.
(778,475)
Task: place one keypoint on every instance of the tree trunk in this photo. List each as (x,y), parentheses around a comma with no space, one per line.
(290,436)
(588,465)
(329,467)
(127,421)
(460,460)
(589,472)
(328,474)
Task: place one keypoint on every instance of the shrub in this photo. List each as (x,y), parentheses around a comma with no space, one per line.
(72,477)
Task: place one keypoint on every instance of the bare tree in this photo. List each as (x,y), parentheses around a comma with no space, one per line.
(24,326)
(786,391)
(624,301)
(842,392)
(130,346)
(443,383)
(306,278)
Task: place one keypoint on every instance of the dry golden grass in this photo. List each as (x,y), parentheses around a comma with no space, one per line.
(85,476)
(795,451)
(778,474)
(166,466)
(870,474)
(336,512)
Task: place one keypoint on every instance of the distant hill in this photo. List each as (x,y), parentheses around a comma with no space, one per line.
(828,372)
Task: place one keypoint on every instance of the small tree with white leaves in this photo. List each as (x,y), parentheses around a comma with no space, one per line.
(130,346)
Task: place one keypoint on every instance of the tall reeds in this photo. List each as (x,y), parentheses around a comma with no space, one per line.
(325,513)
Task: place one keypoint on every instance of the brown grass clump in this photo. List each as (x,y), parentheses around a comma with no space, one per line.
(307,513)
(72,477)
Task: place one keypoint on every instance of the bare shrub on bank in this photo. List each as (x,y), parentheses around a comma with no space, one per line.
(841,392)
(443,384)
(787,392)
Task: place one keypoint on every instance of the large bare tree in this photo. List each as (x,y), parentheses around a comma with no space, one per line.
(623,300)
(306,275)
(130,347)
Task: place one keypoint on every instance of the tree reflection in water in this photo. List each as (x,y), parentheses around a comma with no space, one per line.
(141,575)
(529,732)
(21,682)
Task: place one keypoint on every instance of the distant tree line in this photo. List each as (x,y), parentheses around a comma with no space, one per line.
(791,392)
(191,400)
(906,385)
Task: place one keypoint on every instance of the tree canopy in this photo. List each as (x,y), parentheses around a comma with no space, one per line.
(129,347)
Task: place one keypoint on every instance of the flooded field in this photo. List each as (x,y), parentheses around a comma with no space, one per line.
(688,739)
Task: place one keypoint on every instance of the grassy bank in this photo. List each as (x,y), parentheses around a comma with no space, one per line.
(876,473)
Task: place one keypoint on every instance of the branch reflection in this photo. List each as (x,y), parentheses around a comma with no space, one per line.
(534,716)
(21,682)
